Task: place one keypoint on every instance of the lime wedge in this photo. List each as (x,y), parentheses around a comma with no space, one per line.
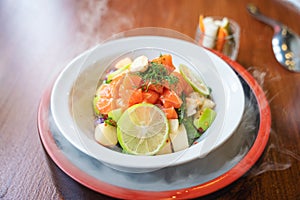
(193,80)
(142,129)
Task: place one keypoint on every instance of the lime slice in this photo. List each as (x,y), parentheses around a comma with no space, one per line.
(142,129)
(193,80)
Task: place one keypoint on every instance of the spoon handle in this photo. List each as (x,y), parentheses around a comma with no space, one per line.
(253,10)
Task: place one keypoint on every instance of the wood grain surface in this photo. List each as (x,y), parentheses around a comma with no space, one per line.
(38,38)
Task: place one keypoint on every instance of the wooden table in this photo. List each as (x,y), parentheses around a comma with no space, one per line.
(38,39)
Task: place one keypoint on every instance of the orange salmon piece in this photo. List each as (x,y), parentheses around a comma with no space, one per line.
(136,97)
(157,88)
(104,105)
(150,96)
(116,83)
(128,87)
(170,99)
(182,85)
(166,60)
(131,82)
(105,91)
(109,90)
(108,94)
(170,112)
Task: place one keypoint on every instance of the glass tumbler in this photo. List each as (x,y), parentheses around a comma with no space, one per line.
(226,44)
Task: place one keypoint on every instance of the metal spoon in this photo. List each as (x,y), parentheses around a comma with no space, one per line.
(285,42)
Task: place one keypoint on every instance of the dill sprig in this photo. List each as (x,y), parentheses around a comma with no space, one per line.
(157,74)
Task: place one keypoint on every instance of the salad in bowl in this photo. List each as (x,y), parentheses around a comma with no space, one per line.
(150,103)
(145,105)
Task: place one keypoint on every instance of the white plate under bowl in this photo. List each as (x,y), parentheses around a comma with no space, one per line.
(74,89)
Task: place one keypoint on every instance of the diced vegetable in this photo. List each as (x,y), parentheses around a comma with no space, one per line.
(192,105)
(106,134)
(173,125)
(167,148)
(211,30)
(222,34)
(205,119)
(179,138)
(140,64)
(207,103)
(201,24)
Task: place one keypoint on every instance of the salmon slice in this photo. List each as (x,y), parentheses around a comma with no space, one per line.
(108,94)
(104,105)
(181,86)
(127,88)
(150,96)
(170,99)
(158,88)
(136,97)
(105,91)
(166,60)
(170,112)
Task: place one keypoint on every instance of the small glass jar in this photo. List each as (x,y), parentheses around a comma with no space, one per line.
(226,44)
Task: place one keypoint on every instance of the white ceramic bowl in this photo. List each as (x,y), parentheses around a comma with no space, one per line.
(73,91)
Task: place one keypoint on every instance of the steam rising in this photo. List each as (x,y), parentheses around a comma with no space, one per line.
(92,29)
(275,146)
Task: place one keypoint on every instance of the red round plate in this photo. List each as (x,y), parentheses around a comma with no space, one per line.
(196,191)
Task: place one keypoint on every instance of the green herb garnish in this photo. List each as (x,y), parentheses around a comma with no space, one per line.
(157,74)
